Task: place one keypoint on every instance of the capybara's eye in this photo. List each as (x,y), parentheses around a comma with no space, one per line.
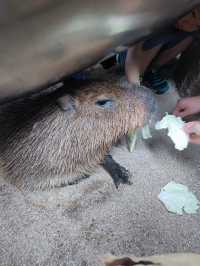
(105,103)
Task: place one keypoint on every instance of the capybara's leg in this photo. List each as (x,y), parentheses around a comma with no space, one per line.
(118,173)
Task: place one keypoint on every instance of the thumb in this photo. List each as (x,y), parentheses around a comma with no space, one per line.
(181,112)
(180,109)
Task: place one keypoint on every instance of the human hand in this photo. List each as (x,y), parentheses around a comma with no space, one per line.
(193,130)
(187,106)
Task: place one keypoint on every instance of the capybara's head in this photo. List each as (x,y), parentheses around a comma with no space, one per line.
(109,107)
(47,142)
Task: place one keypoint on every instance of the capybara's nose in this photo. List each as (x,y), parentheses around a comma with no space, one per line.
(147,98)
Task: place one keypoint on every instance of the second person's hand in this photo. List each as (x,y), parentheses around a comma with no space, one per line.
(187,106)
(193,130)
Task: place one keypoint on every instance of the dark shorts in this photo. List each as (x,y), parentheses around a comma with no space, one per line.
(168,39)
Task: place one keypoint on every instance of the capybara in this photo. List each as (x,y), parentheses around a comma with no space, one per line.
(56,139)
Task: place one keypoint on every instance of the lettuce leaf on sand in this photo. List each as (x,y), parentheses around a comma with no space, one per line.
(178,199)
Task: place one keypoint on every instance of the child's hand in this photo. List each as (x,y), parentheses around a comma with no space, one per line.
(187,106)
(193,130)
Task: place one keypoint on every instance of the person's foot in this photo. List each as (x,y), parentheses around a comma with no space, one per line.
(154,80)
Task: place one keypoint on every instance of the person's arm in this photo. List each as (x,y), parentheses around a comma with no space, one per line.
(132,67)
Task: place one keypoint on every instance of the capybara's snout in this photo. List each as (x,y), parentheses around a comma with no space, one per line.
(146,98)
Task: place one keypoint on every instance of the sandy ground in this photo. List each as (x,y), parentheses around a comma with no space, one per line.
(76,225)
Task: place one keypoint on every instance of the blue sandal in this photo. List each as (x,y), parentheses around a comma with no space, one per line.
(154,80)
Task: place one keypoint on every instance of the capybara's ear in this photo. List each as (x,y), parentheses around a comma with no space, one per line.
(66,103)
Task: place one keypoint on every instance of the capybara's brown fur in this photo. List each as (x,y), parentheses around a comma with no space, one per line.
(43,145)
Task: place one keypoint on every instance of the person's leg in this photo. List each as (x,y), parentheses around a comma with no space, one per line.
(140,56)
(138,60)
(161,67)
(146,58)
